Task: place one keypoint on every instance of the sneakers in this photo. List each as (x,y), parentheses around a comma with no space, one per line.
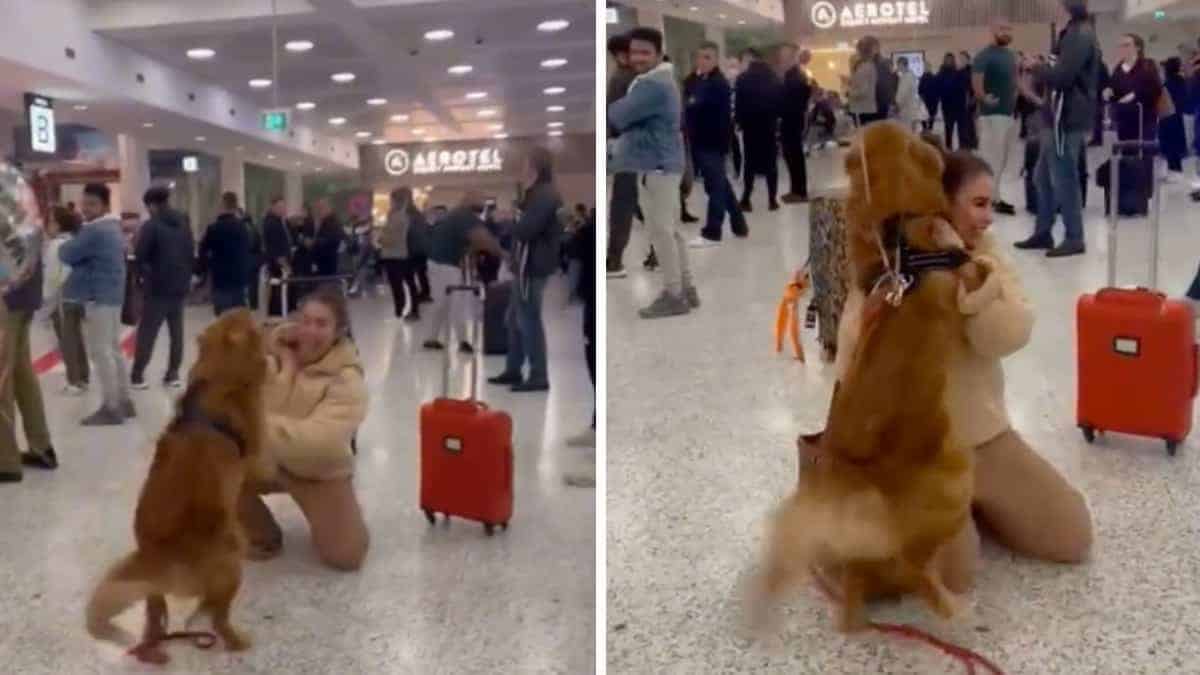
(1004,208)
(433,345)
(773,206)
(73,390)
(412,317)
(173,383)
(689,218)
(617,272)
(692,297)
(586,439)
(793,198)
(530,386)
(1035,243)
(703,242)
(10,477)
(666,304)
(138,384)
(465,348)
(104,418)
(1066,249)
(505,379)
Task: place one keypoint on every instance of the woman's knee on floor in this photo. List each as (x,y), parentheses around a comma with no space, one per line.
(345,549)
(1070,540)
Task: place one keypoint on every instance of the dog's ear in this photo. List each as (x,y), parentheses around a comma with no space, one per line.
(943,234)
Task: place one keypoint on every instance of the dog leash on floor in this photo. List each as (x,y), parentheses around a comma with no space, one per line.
(147,651)
(965,656)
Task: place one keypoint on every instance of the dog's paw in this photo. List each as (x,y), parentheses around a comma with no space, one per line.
(235,641)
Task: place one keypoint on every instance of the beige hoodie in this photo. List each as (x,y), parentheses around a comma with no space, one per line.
(999,322)
(314,412)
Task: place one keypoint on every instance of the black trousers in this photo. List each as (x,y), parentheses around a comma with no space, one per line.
(793,154)
(419,266)
(623,204)
(735,153)
(252,291)
(762,159)
(589,346)
(154,312)
(275,293)
(955,120)
(401,275)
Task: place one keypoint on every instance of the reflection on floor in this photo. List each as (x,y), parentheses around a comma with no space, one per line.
(429,600)
(703,418)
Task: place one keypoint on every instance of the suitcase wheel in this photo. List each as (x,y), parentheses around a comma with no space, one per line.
(1172,447)
(489,529)
(1089,434)
(429,515)
(504,527)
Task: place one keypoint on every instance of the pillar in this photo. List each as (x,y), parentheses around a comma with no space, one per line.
(795,19)
(293,192)
(716,34)
(134,164)
(233,176)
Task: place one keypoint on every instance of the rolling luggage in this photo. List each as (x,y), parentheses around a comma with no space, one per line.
(495,313)
(1137,351)
(466,454)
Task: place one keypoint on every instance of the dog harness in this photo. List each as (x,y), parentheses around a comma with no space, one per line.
(191,413)
(902,271)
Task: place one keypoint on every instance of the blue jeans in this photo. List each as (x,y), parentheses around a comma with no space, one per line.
(721,200)
(1194,289)
(1057,178)
(225,299)
(526,335)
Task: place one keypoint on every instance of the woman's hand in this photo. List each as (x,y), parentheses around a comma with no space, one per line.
(1128,98)
(1107,94)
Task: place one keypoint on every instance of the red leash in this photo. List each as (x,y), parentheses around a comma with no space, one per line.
(965,656)
(148,651)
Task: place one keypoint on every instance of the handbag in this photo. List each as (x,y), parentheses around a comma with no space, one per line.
(1166,106)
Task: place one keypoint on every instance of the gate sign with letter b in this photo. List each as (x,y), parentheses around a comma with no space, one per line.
(40,110)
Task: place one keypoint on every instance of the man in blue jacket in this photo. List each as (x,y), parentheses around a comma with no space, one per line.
(651,145)
(709,110)
(97,259)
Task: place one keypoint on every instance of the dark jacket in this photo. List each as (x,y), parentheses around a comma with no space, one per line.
(277,240)
(25,292)
(538,232)
(757,100)
(618,84)
(797,93)
(927,89)
(165,253)
(225,253)
(419,232)
(886,84)
(951,89)
(1144,83)
(330,236)
(708,108)
(1074,78)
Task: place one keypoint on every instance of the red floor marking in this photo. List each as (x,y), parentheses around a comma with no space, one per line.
(46,362)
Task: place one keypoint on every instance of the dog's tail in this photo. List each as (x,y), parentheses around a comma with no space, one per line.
(126,583)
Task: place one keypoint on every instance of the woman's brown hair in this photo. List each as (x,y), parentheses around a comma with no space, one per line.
(330,296)
(962,167)
(66,221)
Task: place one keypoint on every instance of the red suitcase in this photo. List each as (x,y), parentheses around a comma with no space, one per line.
(1138,368)
(466,453)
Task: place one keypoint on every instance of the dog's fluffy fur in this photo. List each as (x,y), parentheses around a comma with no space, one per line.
(891,485)
(189,540)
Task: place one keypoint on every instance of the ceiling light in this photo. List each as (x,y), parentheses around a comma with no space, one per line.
(418,131)
(487,112)
(298,46)
(201,139)
(239,148)
(461,69)
(555,108)
(694,8)
(81,107)
(337,121)
(147,125)
(476,95)
(722,16)
(299,163)
(553,25)
(553,91)
(741,22)
(362,134)
(500,136)
(376,101)
(270,156)
(305,105)
(431,139)
(554,63)
(554,125)
(201,54)
(495,127)
(378,141)
(439,34)
(556,132)
(342,78)
(260,83)
(400,117)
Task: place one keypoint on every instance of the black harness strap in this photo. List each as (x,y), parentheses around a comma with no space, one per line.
(190,413)
(914,262)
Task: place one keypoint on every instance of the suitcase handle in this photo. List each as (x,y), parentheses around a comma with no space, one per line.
(1195,370)
(1141,297)
(472,286)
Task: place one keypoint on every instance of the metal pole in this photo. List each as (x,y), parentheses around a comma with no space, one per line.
(1114,171)
(275,53)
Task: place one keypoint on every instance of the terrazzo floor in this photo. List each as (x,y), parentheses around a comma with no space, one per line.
(702,421)
(429,600)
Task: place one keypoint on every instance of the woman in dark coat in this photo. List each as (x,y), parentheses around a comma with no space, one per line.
(1171,133)
(953,96)
(1134,88)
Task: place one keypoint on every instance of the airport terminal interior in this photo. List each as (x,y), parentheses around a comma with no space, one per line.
(327,105)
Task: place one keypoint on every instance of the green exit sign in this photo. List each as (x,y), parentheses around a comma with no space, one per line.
(275,120)
(1160,15)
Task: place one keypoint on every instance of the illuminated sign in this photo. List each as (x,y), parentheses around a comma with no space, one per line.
(275,120)
(610,15)
(826,15)
(191,164)
(40,111)
(434,162)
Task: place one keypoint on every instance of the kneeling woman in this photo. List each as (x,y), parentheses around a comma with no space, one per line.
(316,399)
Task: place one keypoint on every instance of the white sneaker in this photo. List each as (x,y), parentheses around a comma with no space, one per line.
(703,242)
(72,390)
(1171,178)
(1196,184)
(139,385)
(174,384)
(586,439)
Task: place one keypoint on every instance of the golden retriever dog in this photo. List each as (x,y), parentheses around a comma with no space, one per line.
(887,484)
(189,540)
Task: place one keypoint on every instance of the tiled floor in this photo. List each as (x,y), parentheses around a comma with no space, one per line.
(429,600)
(702,423)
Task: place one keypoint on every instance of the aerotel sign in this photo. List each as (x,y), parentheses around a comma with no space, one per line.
(826,15)
(400,162)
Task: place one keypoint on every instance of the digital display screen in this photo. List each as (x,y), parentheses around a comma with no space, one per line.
(40,112)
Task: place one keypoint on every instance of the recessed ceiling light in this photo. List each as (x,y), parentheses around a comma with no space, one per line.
(741,22)
(305,105)
(200,139)
(500,136)
(376,101)
(378,141)
(554,125)
(495,127)
(299,163)
(400,117)
(260,83)
(81,107)
(555,108)
(298,46)
(694,8)
(722,16)
(553,25)
(553,91)
(476,95)
(487,112)
(461,69)
(362,134)
(431,139)
(556,132)
(147,125)
(418,131)
(337,121)
(270,156)
(342,78)
(439,34)
(320,169)
(554,63)
(201,53)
